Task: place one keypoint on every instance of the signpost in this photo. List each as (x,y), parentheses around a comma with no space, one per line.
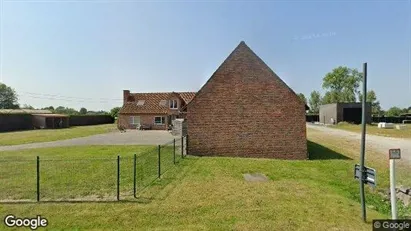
(369,175)
(394,154)
(363,133)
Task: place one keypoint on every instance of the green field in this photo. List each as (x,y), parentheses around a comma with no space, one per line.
(203,193)
(374,130)
(44,135)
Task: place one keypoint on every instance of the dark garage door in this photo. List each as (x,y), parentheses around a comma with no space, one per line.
(352,115)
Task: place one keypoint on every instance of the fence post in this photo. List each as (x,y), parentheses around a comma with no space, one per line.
(159,161)
(182,147)
(135,176)
(38,178)
(118,178)
(174,152)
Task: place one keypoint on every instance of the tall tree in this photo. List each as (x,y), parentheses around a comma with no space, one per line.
(372,98)
(302,97)
(315,101)
(83,111)
(8,97)
(342,83)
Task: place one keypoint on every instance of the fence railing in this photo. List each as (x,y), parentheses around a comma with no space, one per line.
(62,178)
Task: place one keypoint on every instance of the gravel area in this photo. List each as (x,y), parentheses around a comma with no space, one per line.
(378,143)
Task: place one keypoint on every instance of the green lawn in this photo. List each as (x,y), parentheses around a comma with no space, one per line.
(207,193)
(33,136)
(374,130)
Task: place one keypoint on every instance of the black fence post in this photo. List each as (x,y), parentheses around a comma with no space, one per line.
(182,147)
(174,152)
(135,176)
(159,161)
(118,178)
(38,178)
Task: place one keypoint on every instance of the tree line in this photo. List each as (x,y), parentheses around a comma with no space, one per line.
(341,85)
(9,100)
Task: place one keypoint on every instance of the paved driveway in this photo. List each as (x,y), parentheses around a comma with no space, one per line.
(378,143)
(131,137)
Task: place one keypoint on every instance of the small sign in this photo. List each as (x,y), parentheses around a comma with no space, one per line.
(370,175)
(395,153)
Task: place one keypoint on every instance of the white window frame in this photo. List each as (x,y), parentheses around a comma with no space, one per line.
(163,120)
(133,120)
(173,104)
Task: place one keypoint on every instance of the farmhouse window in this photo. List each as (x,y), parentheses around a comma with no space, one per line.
(173,104)
(159,120)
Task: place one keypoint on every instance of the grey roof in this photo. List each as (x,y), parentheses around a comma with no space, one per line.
(24,111)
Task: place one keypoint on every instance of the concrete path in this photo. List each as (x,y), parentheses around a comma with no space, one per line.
(378,143)
(131,137)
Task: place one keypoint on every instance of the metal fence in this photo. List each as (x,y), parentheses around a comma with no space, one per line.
(62,178)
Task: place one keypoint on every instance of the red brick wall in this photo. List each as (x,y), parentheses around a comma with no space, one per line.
(243,110)
(146,119)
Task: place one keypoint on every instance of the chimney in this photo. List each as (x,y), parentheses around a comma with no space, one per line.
(126,93)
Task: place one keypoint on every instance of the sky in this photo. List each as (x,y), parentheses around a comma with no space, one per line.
(85,53)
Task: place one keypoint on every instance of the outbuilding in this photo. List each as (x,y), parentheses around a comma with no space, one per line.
(348,112)
(50,121)
(246,110)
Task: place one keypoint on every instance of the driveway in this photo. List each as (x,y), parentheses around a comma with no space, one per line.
(131,137)
(378,143)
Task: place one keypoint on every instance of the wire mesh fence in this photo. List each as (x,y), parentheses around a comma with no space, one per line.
(86,179)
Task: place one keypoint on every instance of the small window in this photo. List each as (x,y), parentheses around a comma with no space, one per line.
(159,120)
(173,104)
(163,102)
(140,102)
(134,120)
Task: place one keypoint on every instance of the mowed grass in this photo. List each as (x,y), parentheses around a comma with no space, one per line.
(374,130)
(80,173)
(209,193)
(44,135)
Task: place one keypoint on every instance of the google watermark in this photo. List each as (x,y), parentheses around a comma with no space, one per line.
(32,223)
(400,225)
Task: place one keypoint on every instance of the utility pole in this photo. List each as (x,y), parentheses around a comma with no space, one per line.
(363,132)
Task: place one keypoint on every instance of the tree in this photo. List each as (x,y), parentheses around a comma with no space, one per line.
(315,101)
(114,111)
(26,106)
(302,97)
(83,111)
(8,97)
(372,98)
(342,85)
(394,111)
(50,108)
(66,110)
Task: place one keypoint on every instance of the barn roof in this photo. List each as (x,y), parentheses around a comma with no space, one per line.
(24,111)
(243,52)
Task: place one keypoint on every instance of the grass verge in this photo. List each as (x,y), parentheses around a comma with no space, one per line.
(44,135)
(210,193)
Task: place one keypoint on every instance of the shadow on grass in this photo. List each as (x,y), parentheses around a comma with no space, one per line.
(318,152)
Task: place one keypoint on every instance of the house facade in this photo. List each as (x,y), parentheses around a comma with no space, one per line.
(152,110)
(246,110)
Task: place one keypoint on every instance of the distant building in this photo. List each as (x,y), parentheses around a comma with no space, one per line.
(348,112)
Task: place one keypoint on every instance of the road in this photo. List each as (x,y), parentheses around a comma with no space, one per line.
(378,143)
(131,137)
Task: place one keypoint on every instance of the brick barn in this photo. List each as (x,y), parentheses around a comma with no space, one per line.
(246,110)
